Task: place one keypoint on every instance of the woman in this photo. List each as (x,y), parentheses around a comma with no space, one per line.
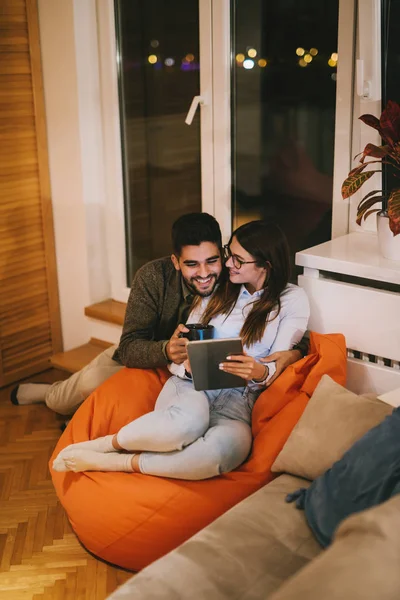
(197,435)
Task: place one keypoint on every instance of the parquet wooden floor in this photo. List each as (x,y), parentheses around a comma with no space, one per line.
(40,556)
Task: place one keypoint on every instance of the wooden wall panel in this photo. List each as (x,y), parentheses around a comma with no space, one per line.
(30,330)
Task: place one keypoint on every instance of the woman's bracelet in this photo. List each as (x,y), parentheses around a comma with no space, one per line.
(264,377)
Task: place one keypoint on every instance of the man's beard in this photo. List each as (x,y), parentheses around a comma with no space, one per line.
(195,290)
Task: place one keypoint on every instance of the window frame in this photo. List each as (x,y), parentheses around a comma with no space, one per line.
(367,28)
(214,140)
(216,158)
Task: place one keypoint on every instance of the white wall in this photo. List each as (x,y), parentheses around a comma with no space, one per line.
(91,139)
(68,34)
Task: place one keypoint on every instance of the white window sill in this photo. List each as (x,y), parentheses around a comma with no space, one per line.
(355,254)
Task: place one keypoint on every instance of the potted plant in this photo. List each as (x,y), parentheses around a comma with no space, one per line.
(388,217)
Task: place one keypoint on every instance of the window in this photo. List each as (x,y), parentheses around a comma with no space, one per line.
(283,142)
(158,49)
(284,80)
(390,66)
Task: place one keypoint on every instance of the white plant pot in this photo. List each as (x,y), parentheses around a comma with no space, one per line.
(389,245)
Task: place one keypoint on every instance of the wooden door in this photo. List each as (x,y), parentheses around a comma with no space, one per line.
(30,330)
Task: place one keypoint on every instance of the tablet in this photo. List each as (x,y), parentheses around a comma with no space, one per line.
(205,357)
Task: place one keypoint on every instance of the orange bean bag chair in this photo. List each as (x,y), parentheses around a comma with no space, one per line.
(131,519)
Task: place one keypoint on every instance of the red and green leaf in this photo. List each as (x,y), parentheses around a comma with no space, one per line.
(365,206)
(358,169)
(371,121)
(388,154)
(354,181)
(394,211)
(367,202)
(374,151)
(370,194)
(362,166)
(371,212)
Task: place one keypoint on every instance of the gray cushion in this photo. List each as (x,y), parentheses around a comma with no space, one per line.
(332,421)
(246,553)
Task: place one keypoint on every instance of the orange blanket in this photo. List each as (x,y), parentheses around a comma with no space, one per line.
(131,519)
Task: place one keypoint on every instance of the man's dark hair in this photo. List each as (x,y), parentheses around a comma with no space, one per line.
(194,228)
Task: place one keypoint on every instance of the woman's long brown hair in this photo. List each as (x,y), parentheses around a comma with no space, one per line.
(267,244)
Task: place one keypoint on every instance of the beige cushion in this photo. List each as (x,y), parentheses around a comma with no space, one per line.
(333,420)
(361,564)
(246,553)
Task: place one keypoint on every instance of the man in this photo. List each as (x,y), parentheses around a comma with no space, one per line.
(158,306)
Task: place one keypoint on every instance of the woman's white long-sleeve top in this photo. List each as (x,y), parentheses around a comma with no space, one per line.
(281,333)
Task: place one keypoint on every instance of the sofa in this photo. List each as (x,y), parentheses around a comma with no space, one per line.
(263,548)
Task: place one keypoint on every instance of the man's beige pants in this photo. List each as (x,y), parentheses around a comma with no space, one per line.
(65,397)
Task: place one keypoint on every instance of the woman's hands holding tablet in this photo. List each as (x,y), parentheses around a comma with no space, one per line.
(245,366)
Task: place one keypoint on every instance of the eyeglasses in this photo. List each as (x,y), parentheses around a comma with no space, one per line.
(237,262)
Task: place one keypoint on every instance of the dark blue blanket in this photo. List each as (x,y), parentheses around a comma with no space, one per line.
(368,474)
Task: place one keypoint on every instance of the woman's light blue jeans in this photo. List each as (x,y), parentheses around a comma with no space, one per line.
(190,434)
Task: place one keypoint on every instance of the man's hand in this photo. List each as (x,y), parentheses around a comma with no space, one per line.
(282,359)
(176,347)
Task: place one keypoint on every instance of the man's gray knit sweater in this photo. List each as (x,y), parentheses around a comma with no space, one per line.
(151,315)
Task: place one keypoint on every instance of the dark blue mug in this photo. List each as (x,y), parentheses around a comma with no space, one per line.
(197,331)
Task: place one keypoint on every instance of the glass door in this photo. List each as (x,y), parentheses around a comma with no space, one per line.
(165,92)
(158,49)
(284,98)
(390,64)
(271,136)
